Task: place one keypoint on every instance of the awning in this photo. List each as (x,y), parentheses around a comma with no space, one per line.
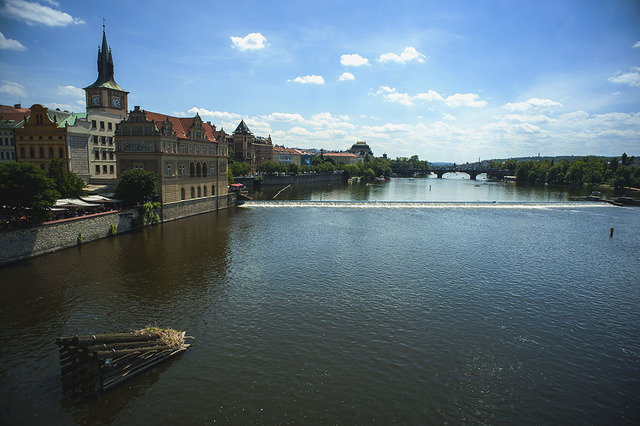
(74,202)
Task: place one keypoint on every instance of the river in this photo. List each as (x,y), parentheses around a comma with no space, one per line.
(413,301)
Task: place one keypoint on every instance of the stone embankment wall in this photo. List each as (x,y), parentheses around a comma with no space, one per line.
(308,179)
(23,244)
(178,210)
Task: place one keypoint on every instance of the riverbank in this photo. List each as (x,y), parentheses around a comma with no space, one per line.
(24,243)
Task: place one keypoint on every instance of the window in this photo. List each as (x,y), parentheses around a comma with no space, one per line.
(60,152)
(94,139)
(22,152)
(41,152)
(110,155)
(204,191)
(32,152)
(193,192)
(110,140)
(96,154)
(102,125)
(182,193)
(199,192)
(168,169)
(97,170)
(212,169)
(103,140)
(104,156)
(204,169)
(213,190)
(111,169)
(104,169)
(50,152)
(110,126)
(198,170)
(192,170)
(93,124)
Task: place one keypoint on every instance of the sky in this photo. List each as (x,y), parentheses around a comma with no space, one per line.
(456,81)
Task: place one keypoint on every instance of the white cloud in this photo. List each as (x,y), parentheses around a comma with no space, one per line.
(284,117)
(629,78)
(390,95)
(346,76)
(219,115)
(10,44)
(464,99)
(308,79)
(13,89)
(449,117)
(70,91)
(353,60)
(533,103)
(34,13)
(253,41)
(407,55)
(637,45)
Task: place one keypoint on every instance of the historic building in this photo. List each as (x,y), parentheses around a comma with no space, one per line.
(10,116)
(343,157)
(287,156)
(43,136)
(361,149)
(251,149)
(188,155)
(107,105)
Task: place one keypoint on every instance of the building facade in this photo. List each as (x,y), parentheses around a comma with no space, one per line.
(9,117)
(188,155)
(43,136)
(249,148)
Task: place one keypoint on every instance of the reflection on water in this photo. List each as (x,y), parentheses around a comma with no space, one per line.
(465,313)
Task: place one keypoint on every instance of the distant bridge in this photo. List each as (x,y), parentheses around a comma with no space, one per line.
(473,172)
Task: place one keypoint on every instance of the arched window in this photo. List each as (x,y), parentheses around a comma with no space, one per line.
(61,153)
(41,152)
(204,169)
(32,152)
(199,192)
(50,152)
(204,191)
(198,170)
(213,190)
(192,170)
(182,193)
(193,192)
(22,152)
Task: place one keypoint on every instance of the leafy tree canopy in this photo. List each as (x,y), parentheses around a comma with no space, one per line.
(67,183)
(25,190)
(136,187)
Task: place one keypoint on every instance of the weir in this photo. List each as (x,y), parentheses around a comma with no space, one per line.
(420,205)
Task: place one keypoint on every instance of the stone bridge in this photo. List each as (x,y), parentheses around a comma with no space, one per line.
(473,172)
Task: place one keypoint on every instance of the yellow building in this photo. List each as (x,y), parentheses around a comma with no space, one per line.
(43,136)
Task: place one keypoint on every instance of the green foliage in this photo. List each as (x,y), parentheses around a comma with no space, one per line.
(230,176)
(25,190)
(113,229)
(67,183)
(146,215)
(80,239)
(404,163)
(272,167)
(136,187)
(239,168)
(588,170)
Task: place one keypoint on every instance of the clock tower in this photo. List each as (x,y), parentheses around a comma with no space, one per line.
(105,95)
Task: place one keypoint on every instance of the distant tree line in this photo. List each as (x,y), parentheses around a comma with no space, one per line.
(589,170)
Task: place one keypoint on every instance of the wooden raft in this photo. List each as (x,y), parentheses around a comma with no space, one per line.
(92,364)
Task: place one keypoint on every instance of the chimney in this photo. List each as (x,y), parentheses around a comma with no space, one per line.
(17,106)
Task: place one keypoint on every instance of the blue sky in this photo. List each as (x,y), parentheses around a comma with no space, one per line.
(448,81)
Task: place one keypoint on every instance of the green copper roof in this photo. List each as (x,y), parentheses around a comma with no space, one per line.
(105,68)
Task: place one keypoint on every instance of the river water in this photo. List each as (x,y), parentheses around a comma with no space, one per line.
(413,301)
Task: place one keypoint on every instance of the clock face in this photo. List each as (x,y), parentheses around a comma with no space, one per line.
(95,101)
(115,102)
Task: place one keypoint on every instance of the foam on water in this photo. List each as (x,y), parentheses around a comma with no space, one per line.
(423,205)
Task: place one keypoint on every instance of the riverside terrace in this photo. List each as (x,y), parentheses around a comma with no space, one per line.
(473,172)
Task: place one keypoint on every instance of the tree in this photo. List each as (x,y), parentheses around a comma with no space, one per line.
(67,183)
(136,186)
(25,190)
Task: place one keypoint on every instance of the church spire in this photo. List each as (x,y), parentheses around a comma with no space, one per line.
(105,66)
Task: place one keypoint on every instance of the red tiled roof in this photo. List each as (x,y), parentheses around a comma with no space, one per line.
(182,125)
(8,112)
